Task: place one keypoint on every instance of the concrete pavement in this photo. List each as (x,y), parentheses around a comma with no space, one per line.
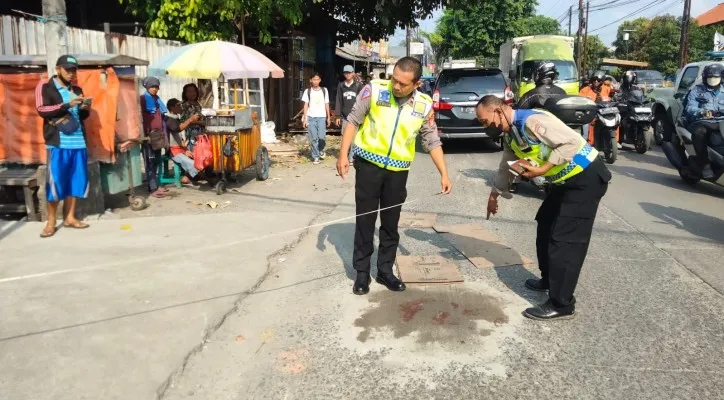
(113,311)
(647,327)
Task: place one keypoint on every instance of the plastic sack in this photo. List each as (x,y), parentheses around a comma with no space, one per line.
(267,132)
(203,156)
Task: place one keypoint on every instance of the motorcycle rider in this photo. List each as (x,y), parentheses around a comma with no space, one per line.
(596,91)
(704,101)
(544,75)
(629,81)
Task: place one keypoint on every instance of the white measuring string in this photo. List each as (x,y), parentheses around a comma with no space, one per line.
(209,247)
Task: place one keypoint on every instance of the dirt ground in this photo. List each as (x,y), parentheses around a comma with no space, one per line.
(289,175)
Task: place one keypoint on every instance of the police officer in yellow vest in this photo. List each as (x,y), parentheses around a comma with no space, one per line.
(390,115)
(578,179)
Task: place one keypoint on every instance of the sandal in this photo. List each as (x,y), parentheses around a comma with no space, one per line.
(77,225)
(46,233)
(158,194)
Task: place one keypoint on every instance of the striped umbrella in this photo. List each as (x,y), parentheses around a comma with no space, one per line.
(209,60)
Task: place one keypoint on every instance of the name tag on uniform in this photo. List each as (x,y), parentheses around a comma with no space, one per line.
(418,109)
(384,99)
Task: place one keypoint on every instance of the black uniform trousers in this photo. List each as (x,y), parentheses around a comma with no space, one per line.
(377,188)
(565,222)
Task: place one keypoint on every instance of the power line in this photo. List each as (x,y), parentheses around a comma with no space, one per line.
(644,8)
(661,10)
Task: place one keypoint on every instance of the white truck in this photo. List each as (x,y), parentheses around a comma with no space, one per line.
(453,64)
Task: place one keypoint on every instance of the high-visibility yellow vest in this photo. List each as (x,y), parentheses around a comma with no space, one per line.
(388,134)
(540,153)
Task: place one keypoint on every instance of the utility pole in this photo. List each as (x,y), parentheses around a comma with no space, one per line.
(408,39)
(570,18)
(684,41)
(56,42)
(578,34)
(585,39)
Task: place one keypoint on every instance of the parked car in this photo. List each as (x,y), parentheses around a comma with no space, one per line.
(457,92)
(649,79)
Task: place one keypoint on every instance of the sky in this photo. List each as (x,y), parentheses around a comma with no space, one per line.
(557,8)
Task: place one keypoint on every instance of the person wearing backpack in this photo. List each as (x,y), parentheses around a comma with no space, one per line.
(347,92)
(316,116)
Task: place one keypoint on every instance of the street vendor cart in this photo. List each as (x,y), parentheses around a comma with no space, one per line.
(235,137)
(234,132)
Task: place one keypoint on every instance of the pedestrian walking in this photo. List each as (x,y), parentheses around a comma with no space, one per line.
(347,92)
(389,115)
(578,180)
(63,109)
(316,116)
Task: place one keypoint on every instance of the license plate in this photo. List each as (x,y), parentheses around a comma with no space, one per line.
(467,110)
(609,110)
(642,109)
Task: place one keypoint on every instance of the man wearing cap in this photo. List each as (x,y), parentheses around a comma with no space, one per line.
(152,110)
(63,109)
(346,96)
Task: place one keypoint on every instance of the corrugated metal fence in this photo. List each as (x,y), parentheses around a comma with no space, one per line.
(20,36)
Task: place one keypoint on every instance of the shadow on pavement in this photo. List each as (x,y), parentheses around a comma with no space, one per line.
(513,276)
(655,158)
(463,146)
(698,224)
(341,236)
(667,180)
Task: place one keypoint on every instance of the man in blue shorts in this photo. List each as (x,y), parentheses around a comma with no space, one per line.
(63,108)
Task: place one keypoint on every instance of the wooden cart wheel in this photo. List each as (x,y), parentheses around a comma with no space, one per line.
(220,187)
(137,203)
(263,162)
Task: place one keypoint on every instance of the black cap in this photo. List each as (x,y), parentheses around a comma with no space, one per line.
(67,62)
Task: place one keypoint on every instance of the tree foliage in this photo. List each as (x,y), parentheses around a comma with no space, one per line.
(656,41)
(537,25)
(595,51)
(472,29)
(199,20)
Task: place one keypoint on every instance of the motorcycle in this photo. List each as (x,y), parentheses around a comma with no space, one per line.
(575,112)
(680,152)
(636,120)
(605,126)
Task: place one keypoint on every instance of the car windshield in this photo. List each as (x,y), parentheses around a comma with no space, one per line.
(479,82)
(567,70)
(649,75)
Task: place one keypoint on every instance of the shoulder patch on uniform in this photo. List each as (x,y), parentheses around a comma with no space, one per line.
(418,109)
(366,92)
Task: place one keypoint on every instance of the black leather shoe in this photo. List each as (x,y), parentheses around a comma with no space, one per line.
(539,285)
(391,282)
(361,284)
(547,312)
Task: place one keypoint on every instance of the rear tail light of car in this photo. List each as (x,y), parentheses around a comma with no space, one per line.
(436,100)
(509,96)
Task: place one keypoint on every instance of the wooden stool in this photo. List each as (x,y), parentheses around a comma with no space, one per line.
(27,180)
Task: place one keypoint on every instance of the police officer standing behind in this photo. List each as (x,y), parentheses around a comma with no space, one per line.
(544,75)
(578,178)
(389,115)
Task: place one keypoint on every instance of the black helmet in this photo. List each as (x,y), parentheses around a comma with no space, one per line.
(630,78)
(598,76)
(712,71)
(545,71)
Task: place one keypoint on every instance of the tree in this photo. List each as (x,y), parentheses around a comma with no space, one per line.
(636,43)
(537,25)
(475,29)
(596,50)
(436,43)
(198,20)
(662,44)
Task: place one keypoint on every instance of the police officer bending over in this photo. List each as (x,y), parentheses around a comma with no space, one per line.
(579,180)
(703,101)
(390,115)
(544,75)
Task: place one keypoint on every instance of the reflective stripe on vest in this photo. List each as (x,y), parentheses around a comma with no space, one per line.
(387,137)
(539,153)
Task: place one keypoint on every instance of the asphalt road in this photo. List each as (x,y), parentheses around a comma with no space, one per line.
(648,325)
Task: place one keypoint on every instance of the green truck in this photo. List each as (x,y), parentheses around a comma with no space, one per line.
(520,56)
